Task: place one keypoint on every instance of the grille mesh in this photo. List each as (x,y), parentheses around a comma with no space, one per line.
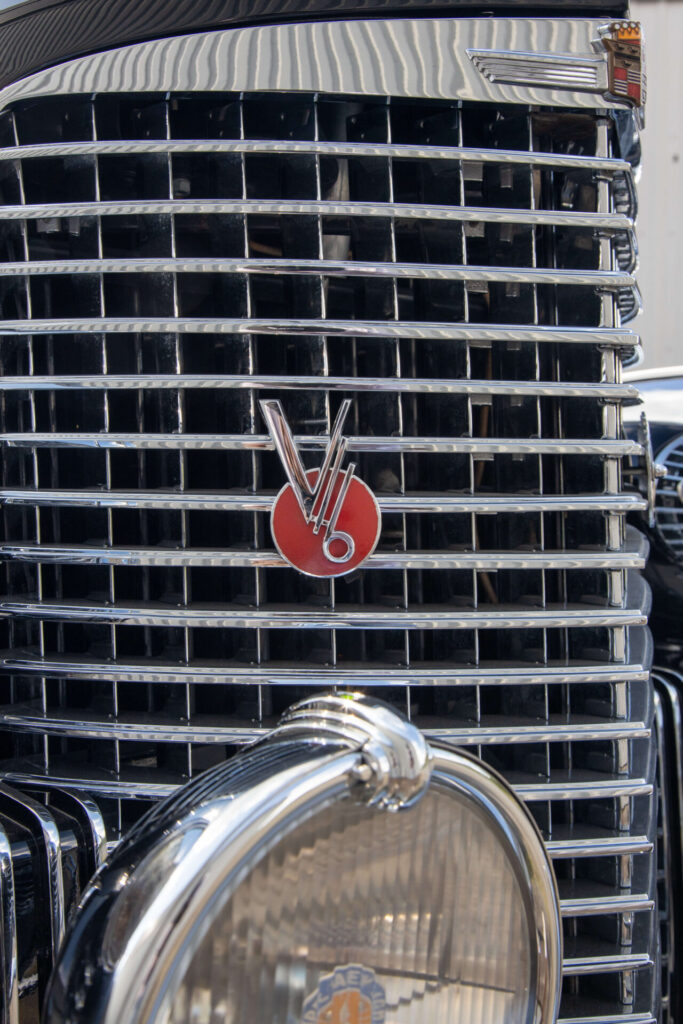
(457,271)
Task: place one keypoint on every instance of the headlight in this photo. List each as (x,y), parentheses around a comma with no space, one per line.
(341,872)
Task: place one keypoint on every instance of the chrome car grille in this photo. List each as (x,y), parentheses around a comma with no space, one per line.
(457,270)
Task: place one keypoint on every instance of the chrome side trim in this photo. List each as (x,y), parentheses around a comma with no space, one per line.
(89,816)
(553,70)
(343,59)
(431,503)
(609,337)
(9,962)
(37,819)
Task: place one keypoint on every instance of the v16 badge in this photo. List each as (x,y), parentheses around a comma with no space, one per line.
(326,521)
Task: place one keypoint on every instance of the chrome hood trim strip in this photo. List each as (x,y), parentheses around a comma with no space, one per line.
(414,58)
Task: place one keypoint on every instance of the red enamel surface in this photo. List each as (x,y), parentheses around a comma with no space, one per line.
(296,541)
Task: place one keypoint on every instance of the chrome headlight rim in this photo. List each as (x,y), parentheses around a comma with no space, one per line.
(177,873)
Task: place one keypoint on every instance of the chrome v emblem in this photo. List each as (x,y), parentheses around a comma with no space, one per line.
(337,511)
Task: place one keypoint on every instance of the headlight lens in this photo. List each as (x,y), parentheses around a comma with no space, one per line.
(342,872)
(426,906)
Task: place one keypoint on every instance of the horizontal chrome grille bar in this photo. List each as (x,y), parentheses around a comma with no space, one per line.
(31,720)
(540,389)
(232,617)
(604,166)
(603,336)
(606,222)
(618,844)
(91,780)
(593,787)
(590,905)
(603,279)
(618,1018)
(307,442)
(223,673)
(241,502)
(424,559)
(617,963)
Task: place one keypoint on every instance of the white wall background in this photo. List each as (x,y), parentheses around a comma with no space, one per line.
(660,220)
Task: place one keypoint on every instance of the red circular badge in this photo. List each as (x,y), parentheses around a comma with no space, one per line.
(326,553)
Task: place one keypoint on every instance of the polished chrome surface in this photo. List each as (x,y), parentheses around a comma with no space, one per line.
(419,58)
(9,988)
(552,70)
(218,832)
(608,223)
(396,764)
(550,389)
(434,504)
(42,826)
(621,339)
(464,282)
(328,268)
(226,617)
(306,442)
(606,166)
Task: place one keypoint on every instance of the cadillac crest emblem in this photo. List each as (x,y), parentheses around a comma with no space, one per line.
(626,69)
(350,995)
(325,522)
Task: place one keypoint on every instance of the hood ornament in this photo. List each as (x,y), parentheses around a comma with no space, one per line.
(325,522)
